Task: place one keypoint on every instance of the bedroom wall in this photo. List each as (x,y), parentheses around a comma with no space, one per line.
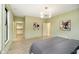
(74,17)
(29,32)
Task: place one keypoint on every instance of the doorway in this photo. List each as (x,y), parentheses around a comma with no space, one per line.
(19,28)
(47,29)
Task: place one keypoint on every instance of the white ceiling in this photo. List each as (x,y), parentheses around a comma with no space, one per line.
(35,9)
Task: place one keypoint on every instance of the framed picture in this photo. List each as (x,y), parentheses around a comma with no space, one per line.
(35,26)
(65,25)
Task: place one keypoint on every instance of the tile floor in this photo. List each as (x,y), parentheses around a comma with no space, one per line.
(22,46)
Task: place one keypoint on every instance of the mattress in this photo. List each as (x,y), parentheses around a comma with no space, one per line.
(55,45)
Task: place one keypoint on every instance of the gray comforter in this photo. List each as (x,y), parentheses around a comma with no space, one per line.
(55,45)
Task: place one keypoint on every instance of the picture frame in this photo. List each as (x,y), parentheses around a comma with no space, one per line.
(65,25)
(36,26)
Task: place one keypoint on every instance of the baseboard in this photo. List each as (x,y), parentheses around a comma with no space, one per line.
(39,37)
(6,48)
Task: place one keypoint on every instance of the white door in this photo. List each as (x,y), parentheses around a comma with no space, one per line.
(46,29)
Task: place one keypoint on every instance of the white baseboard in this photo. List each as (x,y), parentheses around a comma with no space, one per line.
(6,48)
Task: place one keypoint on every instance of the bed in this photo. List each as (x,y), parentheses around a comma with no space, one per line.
(55,45)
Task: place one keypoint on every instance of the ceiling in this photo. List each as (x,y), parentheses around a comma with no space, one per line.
(35,9)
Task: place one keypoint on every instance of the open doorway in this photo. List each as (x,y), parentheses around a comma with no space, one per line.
(47,29)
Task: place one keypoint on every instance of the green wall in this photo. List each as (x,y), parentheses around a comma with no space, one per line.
(29,32)
(74,17)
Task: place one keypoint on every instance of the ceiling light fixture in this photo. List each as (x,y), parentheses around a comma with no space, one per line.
(46,13)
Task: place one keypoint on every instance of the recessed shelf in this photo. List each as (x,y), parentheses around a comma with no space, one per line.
(19,22)
(20,28)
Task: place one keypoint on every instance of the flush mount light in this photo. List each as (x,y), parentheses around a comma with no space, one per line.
(46,13)
(46,7)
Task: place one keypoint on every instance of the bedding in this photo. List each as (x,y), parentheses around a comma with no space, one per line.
(55,45)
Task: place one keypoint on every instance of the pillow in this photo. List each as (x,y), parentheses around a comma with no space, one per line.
(78,51)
